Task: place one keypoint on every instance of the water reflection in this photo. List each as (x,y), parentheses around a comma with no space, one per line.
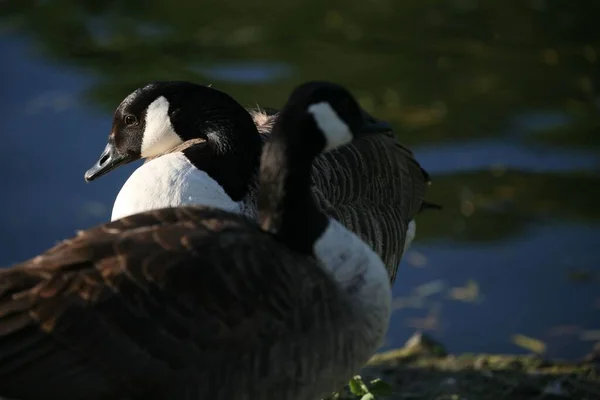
(501,154)
(245,72)
(523,281)
(498,99)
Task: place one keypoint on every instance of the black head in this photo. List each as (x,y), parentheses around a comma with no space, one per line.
(325,115)
(158,117)
(318,117)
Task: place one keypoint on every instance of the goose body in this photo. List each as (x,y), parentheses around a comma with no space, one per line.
(373,186)
(196,302)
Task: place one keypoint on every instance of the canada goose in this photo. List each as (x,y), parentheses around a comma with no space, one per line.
(199,303)
(202,147)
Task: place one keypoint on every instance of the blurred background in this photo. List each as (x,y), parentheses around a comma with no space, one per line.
(500,101)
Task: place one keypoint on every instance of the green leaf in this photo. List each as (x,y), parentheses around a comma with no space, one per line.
(357,386)
(380,388)
(368,396)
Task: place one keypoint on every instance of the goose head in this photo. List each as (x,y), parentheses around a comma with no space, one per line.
(160,116)
(318,117)
(323,116)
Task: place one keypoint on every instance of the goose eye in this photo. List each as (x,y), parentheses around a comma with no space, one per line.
(130,119)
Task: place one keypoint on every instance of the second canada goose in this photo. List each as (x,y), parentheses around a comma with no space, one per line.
(202,147)
(199,303)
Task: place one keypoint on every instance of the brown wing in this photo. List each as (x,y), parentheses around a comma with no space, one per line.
(134,306)
(374,186)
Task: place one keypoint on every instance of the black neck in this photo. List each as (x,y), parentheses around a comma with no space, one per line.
(231,154)
(286,206)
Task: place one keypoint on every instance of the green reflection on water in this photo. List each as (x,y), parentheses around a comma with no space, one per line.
(438,70)
(444,69)
(488,205)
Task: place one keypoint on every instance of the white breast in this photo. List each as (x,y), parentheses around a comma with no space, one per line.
(359,270)
(169,181)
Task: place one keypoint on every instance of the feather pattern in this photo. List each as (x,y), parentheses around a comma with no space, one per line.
(155,306)
(374,186)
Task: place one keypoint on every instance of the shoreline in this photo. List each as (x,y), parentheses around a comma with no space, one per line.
(423,370)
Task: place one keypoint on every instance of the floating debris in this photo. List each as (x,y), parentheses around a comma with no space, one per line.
(469,293)
(416,259)
(529,343)
(430,288)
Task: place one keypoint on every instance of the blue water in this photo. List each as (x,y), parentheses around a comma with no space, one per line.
(52,133)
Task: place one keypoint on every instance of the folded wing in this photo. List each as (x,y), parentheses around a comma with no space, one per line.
(172,299)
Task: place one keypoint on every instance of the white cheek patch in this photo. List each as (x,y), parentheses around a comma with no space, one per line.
(159,135)
(335,130)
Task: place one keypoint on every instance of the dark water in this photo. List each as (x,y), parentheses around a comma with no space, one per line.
(498,100)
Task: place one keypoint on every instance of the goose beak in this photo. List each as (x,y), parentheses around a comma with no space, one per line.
(109,160)
(374,125)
